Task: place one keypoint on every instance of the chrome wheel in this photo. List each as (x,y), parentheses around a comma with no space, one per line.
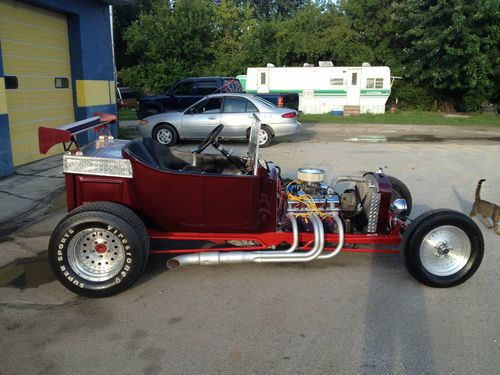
(164,136)
(445,250)
(96,254)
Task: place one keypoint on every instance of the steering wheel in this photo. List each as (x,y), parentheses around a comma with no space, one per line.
(209,139)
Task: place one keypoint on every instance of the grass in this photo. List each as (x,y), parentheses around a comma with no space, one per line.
(127,114)
(414,118)
(410,117)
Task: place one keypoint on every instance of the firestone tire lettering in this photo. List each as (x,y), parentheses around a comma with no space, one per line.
(90,282)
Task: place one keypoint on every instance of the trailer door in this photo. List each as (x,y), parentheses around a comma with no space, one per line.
(353,87)
(263,81)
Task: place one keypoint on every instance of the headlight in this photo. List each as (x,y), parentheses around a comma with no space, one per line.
(143,122)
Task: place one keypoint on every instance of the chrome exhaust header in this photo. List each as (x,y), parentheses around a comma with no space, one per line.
(289,255)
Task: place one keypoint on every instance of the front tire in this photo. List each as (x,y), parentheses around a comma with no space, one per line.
(400,191)
(95,254)
(165,134)
(442,248)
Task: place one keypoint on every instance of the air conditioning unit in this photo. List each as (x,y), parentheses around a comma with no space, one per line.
(325,63)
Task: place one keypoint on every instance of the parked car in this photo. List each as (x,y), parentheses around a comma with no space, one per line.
(188,91)
(234,111)
(129,199)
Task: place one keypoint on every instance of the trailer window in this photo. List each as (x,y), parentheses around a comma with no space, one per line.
(374,83)
(354,79)
(263,78)
(337,81)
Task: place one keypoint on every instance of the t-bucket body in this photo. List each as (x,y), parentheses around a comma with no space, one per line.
(139,197)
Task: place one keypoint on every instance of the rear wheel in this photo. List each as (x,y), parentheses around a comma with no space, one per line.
(400,191)
(265,136)
(442,248)
(95,254)
(122,212)
(165,134)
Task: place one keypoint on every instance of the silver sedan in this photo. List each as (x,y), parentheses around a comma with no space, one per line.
(234,111)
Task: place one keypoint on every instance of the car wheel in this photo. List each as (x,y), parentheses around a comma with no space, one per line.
(126,214)
(165,134)
(265,136)
(95,254)
(401,191)
(442,248)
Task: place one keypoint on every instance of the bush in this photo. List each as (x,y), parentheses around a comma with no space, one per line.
(411,97)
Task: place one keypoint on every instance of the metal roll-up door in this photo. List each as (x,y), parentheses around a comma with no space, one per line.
(37,70)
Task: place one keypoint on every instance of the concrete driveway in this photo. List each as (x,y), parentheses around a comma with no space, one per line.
(354,314)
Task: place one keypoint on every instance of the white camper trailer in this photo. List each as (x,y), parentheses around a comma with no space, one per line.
(325,88)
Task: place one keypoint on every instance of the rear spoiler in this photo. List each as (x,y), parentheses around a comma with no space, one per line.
(48,137)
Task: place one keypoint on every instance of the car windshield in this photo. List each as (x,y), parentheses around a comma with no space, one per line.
(265,102)
(253,145)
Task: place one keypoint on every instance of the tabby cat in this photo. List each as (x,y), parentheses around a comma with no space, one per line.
(489,211)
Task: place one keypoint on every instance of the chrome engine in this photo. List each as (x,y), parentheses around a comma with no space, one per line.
(355,199)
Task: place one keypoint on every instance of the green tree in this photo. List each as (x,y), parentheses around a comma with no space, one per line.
(373,21)
(171,41)
(123,16)
(319,34)
(231,23)
(451,47)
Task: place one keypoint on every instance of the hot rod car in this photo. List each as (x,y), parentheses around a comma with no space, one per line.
(129,199)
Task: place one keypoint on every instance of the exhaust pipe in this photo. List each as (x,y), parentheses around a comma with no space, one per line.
(340,243)
(215,258)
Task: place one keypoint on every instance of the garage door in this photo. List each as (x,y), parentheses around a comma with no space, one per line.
(37,70)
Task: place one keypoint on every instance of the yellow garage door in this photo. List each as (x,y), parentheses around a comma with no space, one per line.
(37,69)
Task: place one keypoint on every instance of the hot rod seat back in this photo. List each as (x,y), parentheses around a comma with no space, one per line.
(158,156)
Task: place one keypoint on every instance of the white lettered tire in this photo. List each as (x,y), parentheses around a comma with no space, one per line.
(95,254)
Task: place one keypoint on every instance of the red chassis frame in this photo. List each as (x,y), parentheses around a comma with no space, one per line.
(270,240)
(120,190)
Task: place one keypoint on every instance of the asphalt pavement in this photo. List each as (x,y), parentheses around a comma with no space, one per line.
(353,314)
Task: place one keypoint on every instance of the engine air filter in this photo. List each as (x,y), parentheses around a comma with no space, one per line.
(311,174)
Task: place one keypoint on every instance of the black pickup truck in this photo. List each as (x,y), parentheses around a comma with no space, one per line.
(188,91)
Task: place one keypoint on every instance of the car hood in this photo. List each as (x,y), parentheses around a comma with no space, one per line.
(165,117)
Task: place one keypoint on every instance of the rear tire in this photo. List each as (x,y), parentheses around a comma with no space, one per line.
(165,134)
(401,191)
(95,254)
(265,136)
(442,248)
(122,212)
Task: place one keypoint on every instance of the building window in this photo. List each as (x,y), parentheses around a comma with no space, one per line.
(337,81)
(61,83)
(374,83)
(11,82)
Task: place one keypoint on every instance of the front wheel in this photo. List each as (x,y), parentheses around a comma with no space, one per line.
(401,191)
(96,254)
(442,248)
(165,134)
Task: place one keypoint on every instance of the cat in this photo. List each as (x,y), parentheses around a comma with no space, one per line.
(489,211)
